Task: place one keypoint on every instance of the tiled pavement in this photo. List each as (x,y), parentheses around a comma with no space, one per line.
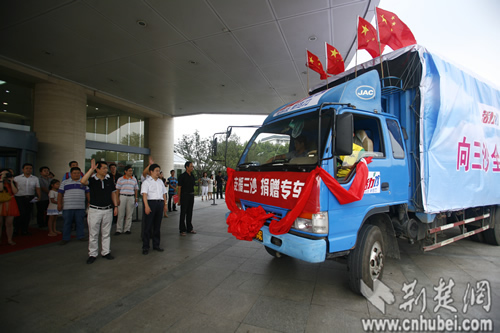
(211,282)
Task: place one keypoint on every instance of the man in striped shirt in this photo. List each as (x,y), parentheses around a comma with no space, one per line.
(71,201)
(126,190)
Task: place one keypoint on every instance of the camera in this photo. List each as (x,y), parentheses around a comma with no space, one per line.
(8,175)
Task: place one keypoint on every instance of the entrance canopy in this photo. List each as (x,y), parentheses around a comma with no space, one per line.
(179,57)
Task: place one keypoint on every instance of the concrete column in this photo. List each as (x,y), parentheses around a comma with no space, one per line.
(60,125)
(161,142)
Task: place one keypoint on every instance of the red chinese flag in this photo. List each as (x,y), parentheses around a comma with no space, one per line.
(393,31)
(314,64)
(367,38)
(334,63)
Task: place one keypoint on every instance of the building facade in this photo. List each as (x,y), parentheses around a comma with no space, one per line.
(49,121)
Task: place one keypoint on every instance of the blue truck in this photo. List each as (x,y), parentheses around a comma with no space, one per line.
(432,132)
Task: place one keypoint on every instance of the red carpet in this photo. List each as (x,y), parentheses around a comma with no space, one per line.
(38,237)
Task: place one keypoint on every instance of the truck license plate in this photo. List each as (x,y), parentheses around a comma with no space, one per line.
(259,236)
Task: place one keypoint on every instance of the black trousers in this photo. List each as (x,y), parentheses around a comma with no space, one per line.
(219,190)
(22,222)
(41,213)
(152,224)
(187,204)
(171,204)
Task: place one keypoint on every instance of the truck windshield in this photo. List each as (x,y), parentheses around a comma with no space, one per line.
(291,141)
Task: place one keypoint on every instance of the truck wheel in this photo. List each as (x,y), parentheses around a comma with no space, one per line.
(366,261)
(274,253)
(492,236)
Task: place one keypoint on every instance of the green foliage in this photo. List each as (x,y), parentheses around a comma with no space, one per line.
(261,152)
(197,150)
(234,151)
(200,152)
(133,140)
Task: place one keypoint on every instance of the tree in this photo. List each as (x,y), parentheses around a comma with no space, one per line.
(197,150)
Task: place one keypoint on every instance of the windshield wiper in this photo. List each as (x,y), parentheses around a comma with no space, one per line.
(273,163)
(248,164)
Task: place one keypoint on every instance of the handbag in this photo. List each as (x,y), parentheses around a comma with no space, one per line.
(5,196)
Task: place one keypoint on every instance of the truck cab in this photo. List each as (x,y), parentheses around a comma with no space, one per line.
(308,155)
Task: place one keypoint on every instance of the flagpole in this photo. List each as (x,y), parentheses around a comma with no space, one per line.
(379,48)
(357,49)
(326,62)
(307,65)
(308,81)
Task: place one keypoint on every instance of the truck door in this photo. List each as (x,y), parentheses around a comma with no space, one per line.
(387,182)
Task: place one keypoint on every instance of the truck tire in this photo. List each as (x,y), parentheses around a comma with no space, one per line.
(274,253)
(366,261)
(492,236)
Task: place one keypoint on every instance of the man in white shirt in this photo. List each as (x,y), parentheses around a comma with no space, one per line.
(28,186)
(154,196)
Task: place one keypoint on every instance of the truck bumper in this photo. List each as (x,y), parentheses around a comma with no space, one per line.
(310,250)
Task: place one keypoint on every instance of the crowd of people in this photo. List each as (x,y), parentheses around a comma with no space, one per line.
(104,197)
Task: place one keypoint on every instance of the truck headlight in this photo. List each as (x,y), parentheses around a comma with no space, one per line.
(318,224)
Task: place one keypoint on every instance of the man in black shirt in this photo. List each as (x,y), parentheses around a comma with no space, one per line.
(219,180)
(185,190)
(115,175)
(103,205)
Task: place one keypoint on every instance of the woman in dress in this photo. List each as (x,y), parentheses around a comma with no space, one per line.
(8,209)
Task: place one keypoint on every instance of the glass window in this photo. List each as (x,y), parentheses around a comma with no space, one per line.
(124,123)
(112,129)
(136,132)
(90,135)
(100,129)
(16,104)
(396,139)
(121,160)
(290,141)
(367,141)
(110,125)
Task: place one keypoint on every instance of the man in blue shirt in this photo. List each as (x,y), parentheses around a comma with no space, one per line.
(172,188)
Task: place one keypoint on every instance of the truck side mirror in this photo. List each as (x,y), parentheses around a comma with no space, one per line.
(344,129)
(214,147)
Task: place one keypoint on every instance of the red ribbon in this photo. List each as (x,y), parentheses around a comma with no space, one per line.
(244,224)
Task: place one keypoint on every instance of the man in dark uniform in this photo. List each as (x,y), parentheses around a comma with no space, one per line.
(219,180)
(185,190)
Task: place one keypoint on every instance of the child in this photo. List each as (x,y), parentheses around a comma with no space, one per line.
(52,211)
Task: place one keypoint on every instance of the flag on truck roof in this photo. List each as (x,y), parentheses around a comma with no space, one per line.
(367,38)
(314,63)
(393,31)
(334,61)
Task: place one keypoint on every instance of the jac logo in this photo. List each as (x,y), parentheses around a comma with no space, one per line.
(365,92)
